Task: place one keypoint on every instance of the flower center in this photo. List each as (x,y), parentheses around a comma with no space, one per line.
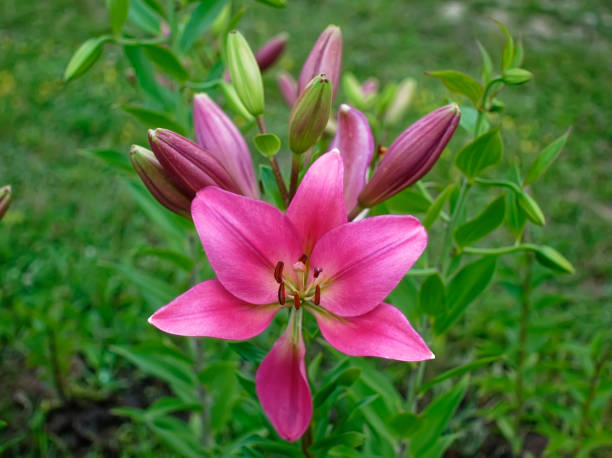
(303,291)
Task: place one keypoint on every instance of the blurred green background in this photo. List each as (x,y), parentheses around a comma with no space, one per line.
(71,213)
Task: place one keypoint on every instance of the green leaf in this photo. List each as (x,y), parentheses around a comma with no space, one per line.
(516,76)
(155,291)
(84,57)
(154,119)
(267,144)
(517,61)
(408,202)
(156,6)
(145,76)
(508,53)
(432,295)
(351,439)
(480,154)
(167,405)
(166,61)
(546,158)
(164,363)
(487,65)
(469,118)
(118,10)
(220,378)
(345,378)
(489,220)
(113,158)
(460,83)
(515,217)
(551,258)
(457,371)
(178,436)
(178,259)
(144,17)
(270,188)
(436,207)
(200,20)
(405,424)
(248,351)
(466,286)
(274,3)
(435,418)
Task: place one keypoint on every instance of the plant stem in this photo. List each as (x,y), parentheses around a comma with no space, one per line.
(448,236)
(593,382)
(261,124)
(522,348)
(58,379)
(500,250)
(295,174)
(355,212)
(417,378)
(307,442)
(421,272)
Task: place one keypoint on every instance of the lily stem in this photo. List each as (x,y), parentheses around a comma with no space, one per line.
(448,236)
(261,124)
(307,442)
(522,348)
(295,174)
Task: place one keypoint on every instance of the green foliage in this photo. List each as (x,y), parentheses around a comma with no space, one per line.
(481,154)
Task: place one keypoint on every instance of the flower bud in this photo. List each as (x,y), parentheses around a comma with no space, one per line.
(216,133)
(310,114)
(355,142)
(325,57)
(157,182)
(245,73)
(5,199)
(411,155)
(531,208)
(271,51)
(369,87)
(401,101)
(551,258)
(189,166)
(233,101)
(288,87)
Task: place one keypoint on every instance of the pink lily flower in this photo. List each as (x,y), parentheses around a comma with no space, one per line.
(309,259)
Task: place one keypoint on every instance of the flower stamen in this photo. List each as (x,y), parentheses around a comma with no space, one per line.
(281,294)
(278,272)
(317,296)
(296,300)
(317,272)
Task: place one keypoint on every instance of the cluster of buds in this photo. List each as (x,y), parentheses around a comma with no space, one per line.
(177,167)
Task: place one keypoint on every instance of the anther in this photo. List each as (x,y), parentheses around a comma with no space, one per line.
(278,272)
(281,294)
(296,300)
(317,298)
(303,258)
(382,150)
(317,271)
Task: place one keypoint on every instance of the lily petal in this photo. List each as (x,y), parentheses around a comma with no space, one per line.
(208,310)
(318,204)
(383,332)
(356,144)
(244,239)
(363,261)
(282,388)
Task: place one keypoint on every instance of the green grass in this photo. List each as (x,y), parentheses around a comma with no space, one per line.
(71,213)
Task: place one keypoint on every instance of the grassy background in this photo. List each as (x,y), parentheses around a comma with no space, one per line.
(70,212)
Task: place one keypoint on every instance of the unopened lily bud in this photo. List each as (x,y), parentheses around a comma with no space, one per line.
(188,165)
(325,57)
(5,199)
(310,114)
(157,182)
(401,101)
(413,153)
(233,101)
(245,73)
(369,87)
(271,51)
(288,87)
(216,133)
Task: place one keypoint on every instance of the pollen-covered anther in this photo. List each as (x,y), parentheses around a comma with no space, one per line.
(296,300)
(317,296)
(281,294)
(278,272)
(317,272)
(299,266)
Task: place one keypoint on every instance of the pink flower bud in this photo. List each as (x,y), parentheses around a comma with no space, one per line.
(271,51)
(413,153)
(369,87)
(216,133)
(325,57)
(5,199)
(355,142)
(288,87)
(157,182)
(188,165)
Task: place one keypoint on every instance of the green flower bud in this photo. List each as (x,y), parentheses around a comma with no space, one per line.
(246,76)
(531,209)
(551,258)
(516,76)
(310,114)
